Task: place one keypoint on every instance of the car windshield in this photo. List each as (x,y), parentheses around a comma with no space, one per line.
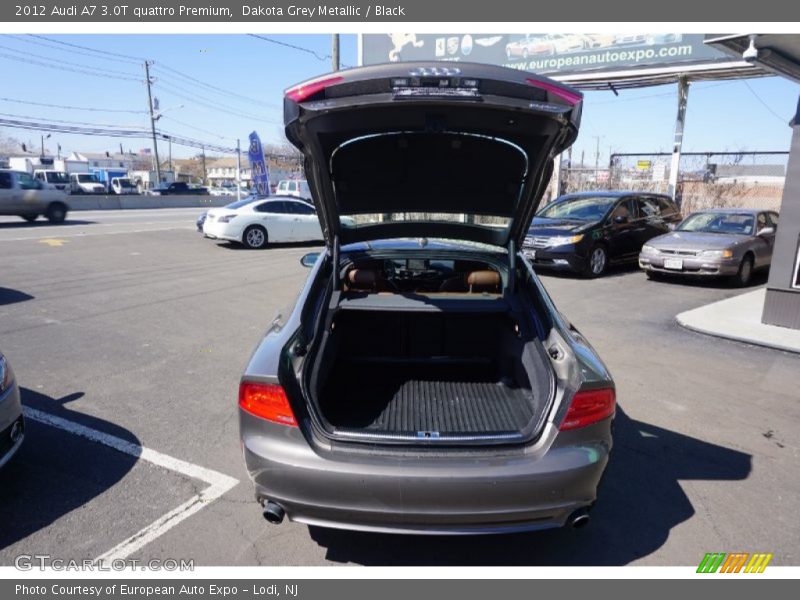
(56,177)
(584,208)
(124,182)
(711,222)
(87,179)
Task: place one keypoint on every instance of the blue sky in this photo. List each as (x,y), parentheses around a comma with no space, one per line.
(252,74)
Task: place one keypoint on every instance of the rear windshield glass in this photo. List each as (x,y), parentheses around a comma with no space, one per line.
(242,202)
(588,208)
(719,223)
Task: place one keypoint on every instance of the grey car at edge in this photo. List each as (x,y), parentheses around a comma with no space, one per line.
(424,382)
(12,424)
(721,242)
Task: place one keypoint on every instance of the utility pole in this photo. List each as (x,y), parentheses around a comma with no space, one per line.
(238,170)
(147,64)
(335,51)
(204,164)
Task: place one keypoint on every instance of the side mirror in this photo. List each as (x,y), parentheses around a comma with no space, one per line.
(767,231)
(620,219)
(39,185)
(310,259)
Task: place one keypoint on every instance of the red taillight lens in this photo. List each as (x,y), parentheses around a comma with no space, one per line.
(306,91)
(589,406)
(570,97)
(268,401)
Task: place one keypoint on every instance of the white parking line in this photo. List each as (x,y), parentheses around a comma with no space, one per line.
(219,483)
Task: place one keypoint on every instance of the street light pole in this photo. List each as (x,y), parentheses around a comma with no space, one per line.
(238,170)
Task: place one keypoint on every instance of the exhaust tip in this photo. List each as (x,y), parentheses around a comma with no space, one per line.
(580,518)
(274,513)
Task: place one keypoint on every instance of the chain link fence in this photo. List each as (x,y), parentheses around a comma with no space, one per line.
(705,179)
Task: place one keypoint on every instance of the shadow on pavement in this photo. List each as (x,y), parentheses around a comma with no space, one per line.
(639,502)
(234,246)
(43,223)
(9,296)
(56,472)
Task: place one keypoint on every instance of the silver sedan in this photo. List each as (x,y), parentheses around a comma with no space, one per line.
(724,242)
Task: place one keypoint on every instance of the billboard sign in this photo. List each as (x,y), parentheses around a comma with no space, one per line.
(553,54)
(258,166)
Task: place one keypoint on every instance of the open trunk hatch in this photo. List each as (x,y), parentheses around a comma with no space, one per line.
(420,149)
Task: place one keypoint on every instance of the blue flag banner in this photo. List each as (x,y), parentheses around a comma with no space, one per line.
(258,167)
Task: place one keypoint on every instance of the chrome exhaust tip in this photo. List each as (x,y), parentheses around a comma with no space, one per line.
(274,513)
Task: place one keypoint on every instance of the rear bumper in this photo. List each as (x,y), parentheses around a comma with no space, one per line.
(427,494)
(691,266)
(222,231)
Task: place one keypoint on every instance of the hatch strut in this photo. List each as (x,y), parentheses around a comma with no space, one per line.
(335,258)
(512,266)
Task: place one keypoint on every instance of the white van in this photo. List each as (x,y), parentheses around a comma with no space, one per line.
(52,179)
(123,185)
(294,187)
(85,183)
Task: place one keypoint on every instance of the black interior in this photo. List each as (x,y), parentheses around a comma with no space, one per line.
(423,374)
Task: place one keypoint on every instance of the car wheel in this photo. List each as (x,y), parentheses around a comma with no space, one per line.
(30,218)
(742,278)
(56,212)
(255,237)
(654,275)
(598,262)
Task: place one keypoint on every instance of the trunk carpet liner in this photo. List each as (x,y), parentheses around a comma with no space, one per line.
(456,399)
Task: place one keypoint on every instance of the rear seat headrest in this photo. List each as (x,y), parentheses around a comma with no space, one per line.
(484,281)
(362,278)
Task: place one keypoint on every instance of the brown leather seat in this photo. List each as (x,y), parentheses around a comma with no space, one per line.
(475,281)
(367,280)
(484,281)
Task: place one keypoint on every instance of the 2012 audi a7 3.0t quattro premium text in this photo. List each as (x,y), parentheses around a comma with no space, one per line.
(424,382)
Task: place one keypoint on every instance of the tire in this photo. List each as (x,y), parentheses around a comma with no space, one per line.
(30,218)
(56,212)
(745,274)
(597,264)
(255,237)
(654,276)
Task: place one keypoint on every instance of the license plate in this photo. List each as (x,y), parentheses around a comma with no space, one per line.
(673,263)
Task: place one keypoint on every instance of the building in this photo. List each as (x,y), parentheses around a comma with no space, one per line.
(113,160)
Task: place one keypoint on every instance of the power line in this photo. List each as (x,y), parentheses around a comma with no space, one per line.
(103,131)
(85,108)
(764,104)
(222,137)
(50,44)
(29,61)
(65,121)
(115,54)
(64,62)
(317,55)
(208,103)
(159,66)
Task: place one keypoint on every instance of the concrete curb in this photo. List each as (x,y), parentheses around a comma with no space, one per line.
(107,202)
(739,319)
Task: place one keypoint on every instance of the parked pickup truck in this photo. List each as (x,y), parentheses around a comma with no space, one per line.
(178,187)
(24,196)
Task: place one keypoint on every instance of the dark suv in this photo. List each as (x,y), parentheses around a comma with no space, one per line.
(587,232)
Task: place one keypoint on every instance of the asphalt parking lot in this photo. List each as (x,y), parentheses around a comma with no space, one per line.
(129,328)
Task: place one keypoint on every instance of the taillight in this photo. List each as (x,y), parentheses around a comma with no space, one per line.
(589,406)
(570,97)
(306,91)
(268,401)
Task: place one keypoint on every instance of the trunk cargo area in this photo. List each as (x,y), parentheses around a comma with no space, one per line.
(432,376)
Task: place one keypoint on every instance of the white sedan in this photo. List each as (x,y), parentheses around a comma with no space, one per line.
(258,222)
